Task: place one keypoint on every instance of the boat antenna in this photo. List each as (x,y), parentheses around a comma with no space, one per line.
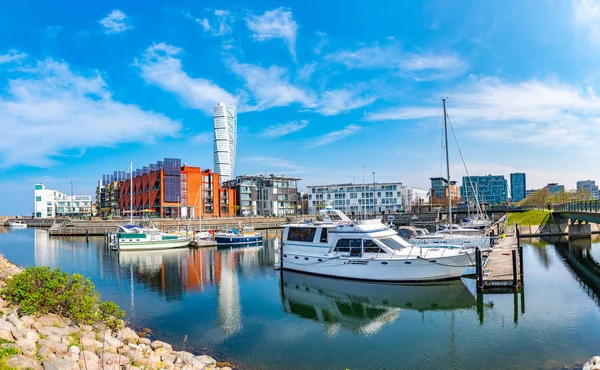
(364,192)
(131,192)
(448,167)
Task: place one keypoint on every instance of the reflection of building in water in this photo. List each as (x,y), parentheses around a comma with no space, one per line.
(228,292)
(578,256)
(46,249)
(365,307)
(199,270)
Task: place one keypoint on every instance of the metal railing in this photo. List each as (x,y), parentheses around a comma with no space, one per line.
(590,206)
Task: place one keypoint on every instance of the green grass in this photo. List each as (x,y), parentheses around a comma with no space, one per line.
(530,218)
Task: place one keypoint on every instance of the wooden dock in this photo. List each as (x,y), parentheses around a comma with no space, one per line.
(499,269)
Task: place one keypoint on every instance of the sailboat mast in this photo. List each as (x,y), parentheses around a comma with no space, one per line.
(448,168)
(131,192)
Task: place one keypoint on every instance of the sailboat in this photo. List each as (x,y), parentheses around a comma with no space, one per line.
(135,237)
(451,235)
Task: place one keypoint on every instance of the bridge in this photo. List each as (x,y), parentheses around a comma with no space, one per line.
(588,211)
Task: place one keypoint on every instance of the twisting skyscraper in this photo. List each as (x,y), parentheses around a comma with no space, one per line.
(225,119)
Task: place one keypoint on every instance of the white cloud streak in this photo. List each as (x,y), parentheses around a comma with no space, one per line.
(50,111)
(544,113)
(425,66)
(333,136)
(115,22)
(338,101)
(12,56)
(161,66)
(586,15)
(274,24)
(283,129)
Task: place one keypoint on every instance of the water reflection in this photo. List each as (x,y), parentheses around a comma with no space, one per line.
(366,307)
(578,257)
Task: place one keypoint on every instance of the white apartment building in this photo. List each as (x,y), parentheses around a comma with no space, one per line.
(225,125)
(356,199)
(53,203)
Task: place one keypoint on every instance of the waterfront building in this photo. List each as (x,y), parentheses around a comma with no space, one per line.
(589,185)
(356,199)
(52,203)
(518,186)
(168,190)
(439,189)
(265,195)
(413,197)
(225,134)
(554,187)
(491,189)
(530,191)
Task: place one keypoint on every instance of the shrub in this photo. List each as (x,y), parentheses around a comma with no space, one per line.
(42,290)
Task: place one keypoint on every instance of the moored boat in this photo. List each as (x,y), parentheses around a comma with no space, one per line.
(246,236)
(135,237)
(366,250)
(17,224)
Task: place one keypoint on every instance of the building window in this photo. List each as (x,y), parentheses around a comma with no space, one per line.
(38,187)
(38,199)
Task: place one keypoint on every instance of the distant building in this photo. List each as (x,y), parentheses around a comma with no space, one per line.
(355,199)
(225,134)
(265,195)
(413,197)
(439,189)
(518,186)
(302,203)
(589,185)
(492,189)
(53,203)
(530,191)
(554,187)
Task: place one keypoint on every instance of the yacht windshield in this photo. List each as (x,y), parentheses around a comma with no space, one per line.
(394,243)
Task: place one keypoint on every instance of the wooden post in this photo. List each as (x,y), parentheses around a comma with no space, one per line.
(520,250)
(87,236)
(479,268)
(514,266)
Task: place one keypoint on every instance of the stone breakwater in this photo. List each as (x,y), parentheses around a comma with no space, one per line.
(53,342)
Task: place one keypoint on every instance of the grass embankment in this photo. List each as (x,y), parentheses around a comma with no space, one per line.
(530,218)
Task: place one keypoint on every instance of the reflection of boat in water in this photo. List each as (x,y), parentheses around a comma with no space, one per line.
(151,260)
(365,307)
(250,246)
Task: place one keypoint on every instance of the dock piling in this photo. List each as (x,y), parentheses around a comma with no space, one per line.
(87,236)
(520,251)
(478,268)
(514,266)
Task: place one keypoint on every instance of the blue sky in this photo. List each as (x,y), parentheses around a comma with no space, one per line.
(322,88)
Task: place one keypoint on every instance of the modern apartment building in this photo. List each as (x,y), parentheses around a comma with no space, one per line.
(225,133)
(518,186)
(52,203)
(168,190)
(265,195)
(356,199)
(439,189)
(554,187)
(492,189)
(413,197)
(589,185)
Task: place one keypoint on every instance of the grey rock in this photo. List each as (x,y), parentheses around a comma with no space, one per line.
(28,321)
(28,347)
(113,358)
(14,319)
(111,341)
(22,362)
(74,349)
(51,330)
(145,341)
(49,320)
(60,364)
(226,368)
(89,343)
(57,347)
(30,334)
(3,303)
(185,356)
(197,364)
(45,352)
(131,367)
(160,344)
(168,358)
(6,335)
(592,364)
(86,328)
(207,360)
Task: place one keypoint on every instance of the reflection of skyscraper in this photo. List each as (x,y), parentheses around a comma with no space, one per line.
(228,294)
(225,125)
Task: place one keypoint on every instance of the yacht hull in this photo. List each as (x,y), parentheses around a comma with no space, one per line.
(232,240)
(153,245)
(382,270)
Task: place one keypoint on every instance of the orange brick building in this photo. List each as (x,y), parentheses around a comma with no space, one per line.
(185,193)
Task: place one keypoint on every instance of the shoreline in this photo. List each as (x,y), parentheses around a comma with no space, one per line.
(53,342)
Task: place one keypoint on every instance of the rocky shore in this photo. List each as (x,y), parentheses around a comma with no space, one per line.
(53,342)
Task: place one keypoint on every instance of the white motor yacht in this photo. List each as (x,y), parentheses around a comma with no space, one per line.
(366,250)
(17,224)
(135,237)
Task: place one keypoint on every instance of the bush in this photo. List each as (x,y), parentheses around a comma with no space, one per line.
(42,290)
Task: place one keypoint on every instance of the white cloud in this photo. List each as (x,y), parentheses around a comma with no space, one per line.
(161,66)
(283,129)
(338,101)
(545,113)
(323,41)
(305,72)
(203,138)
(270,87)
(51,111)
(271,164)
(333,136)
(115,22)
(424,66)
(587,16)
(274,24)
(12,56)
(204,23)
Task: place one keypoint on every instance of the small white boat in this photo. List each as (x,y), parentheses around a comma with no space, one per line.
(17,224)
(366,250)
(135,238)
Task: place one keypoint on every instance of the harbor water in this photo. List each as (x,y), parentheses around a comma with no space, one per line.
(232,304)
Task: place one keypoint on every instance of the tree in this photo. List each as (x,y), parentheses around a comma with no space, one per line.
(539,199)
